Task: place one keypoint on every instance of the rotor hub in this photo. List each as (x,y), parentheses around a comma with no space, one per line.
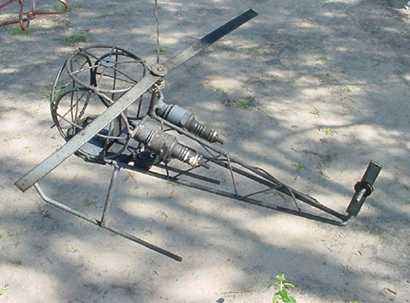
(159,70)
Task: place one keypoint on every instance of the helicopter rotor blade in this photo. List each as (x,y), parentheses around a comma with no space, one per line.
(75,143)
(209,39)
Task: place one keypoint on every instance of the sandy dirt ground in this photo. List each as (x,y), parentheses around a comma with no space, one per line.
(327,89)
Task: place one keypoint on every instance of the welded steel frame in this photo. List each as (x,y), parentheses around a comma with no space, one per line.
(212,155)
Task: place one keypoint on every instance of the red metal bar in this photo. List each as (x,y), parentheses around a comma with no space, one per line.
(24,18)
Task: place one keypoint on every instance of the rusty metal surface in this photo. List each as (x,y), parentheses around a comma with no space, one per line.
(25,16)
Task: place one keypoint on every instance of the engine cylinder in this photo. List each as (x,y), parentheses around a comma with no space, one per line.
(165,145)
(183,118)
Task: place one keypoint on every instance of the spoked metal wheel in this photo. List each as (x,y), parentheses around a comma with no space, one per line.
(111,73)
(74,109)
(90,81)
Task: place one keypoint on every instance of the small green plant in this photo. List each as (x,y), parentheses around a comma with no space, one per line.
(59,7)
(17,31)
(299,167)
(242,103)
(282,286)
(3,289)
(328,131)
(75,38)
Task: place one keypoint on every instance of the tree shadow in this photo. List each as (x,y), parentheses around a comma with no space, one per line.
(349,65)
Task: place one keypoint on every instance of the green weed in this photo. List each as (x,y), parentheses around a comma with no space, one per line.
(242,103)
(3,289)
(282,286)
(299,167)
(17,31)
(75,38)
(328,131)
(59,7)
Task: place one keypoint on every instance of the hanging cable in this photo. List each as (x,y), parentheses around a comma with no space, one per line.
(158,46)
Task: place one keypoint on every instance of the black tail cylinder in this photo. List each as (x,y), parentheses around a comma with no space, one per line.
(363,188)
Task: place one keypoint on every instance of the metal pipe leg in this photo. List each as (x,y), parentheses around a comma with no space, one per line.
(108,197)
(111,229)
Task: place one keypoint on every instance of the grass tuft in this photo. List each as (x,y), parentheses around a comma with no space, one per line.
(17,31)
(329,131)
(75,38)
(299,167)
(3,289)
(242,103)
(283,287)
(59,7)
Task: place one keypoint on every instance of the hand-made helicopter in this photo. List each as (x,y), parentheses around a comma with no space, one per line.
(108,104)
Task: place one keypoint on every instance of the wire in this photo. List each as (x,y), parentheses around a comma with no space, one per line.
(157,46)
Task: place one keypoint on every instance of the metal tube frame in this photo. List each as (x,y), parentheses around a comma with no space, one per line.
(225,160)
(102,223)
(211,154)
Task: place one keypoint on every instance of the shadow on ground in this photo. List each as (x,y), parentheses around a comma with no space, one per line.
(328,89)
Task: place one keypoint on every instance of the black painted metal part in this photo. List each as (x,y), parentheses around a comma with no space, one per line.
(108,105)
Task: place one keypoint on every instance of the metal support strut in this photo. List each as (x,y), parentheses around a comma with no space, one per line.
(103,222)
(108,197)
